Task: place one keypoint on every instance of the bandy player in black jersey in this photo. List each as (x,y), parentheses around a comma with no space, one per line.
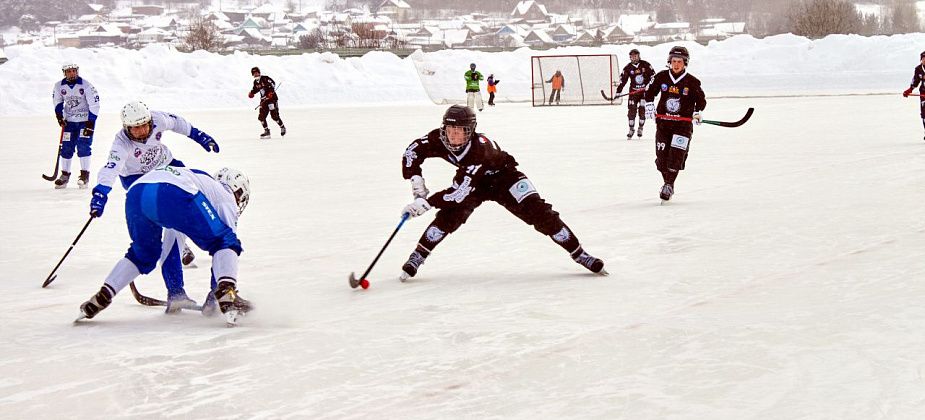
(638,73)
(485,173)
(681,96)
(918,81)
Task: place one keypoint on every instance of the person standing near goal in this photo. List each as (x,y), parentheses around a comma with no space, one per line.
(638,73)
(473,92)
(558,83)
(681,96)
(918,81)
(484,172)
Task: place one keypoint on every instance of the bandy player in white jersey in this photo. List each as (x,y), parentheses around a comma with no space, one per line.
(76,106)
(136,150)
(193,203)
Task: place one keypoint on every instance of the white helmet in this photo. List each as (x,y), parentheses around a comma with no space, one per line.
(134,114)
(238,183)
(69,66)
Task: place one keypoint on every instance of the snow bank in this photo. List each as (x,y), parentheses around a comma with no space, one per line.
(743,66)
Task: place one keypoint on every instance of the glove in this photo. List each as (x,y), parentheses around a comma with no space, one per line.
(204,140)
(650,111)
(88,129)
(907,92)
(61,121)
(418,189)
(250,95)
(697,118)
(417,207)
(98,201)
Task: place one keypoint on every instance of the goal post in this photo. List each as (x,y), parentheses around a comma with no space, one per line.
(582,79)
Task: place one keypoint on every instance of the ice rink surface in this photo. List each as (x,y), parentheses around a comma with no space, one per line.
(783,281)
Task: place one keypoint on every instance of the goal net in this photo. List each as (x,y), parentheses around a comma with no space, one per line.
(583,79)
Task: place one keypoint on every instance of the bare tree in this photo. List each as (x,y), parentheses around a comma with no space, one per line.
(203,35)
(905,17)
(818,18)
(312,40)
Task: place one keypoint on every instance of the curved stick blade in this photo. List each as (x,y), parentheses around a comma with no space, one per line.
(354,282)
(49,280)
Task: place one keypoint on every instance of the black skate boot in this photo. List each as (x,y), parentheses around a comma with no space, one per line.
(282,130)
(97,303)
(179,301)
(410,268)
(83,179)
(62,181)
(187,257)
(666,192)
(639,132)
(629,136)
(231,305)
(266,134)
(595,265)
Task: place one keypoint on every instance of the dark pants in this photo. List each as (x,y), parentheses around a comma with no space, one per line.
(633,109)
(491,98)
(672,144)
(512,190)
(555,94)
(271,108)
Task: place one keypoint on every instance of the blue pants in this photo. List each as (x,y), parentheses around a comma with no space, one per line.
(149,208)
(73,132)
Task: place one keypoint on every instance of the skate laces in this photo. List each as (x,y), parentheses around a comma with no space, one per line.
(415,260)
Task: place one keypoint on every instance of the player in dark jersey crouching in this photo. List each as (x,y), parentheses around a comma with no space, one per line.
(485,173)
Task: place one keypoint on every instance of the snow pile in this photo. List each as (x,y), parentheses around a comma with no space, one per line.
(742,65)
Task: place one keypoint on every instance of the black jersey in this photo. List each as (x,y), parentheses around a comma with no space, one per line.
(681,94)
(478,165)
(264,85)
(638,75)
(918,78)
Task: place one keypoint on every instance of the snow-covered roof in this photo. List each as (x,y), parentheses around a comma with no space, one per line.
(524,6)
(730,27)
(455,36)
(565,30)
(95,7)
(633,24)
(401,4)
(672,25)
(540,36)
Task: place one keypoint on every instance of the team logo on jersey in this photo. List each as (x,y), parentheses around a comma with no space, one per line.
(462,191)
(434,234)
(81,91)
(684,92)
(410,154)
(73,102)
(664,87)
(137,152)
(63,92)
(673,89)
(673,105)
(158,135)
(680,142)
(640,79)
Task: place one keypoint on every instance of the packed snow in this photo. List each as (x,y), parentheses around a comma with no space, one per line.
(783,281)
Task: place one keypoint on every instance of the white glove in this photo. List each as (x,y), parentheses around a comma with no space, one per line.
(697,118)
(650,111)
(418,189)
(417,207)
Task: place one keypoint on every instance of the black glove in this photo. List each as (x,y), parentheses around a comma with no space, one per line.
(88,129)
(60,118)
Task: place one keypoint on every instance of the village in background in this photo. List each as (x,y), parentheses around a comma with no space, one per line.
(352,28)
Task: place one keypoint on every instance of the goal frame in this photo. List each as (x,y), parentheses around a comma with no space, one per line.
(540,88)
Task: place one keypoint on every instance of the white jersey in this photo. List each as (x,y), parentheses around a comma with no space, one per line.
(78,101)
(220,196)
(129,157)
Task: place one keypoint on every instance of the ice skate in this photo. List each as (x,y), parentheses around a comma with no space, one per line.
(265,135)
(595,265)
(62,181)
(210,306)
(629,136)
(83,180)
(639,132)
(179,301)
(187,257)
(97,303)
(666,192)
(410,268)
(232,306)
(282,130)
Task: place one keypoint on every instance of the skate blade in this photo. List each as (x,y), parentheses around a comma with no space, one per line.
(603,272)
(232,316)
(403,277)
(80,318)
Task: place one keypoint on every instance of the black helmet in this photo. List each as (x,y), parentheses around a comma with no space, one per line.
(458,116)
(255,70)
(922,55)
(679,51)
(634,51)
(472,66)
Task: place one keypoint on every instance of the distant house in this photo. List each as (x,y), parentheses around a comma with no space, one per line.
(529,11)
(148,10)
(588,38)
(538,38)
(398,10)
(254,22)
(672,31)
(614,34)
(456,38)
(152,35)
(634,24)
(564,33)
(100,35)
